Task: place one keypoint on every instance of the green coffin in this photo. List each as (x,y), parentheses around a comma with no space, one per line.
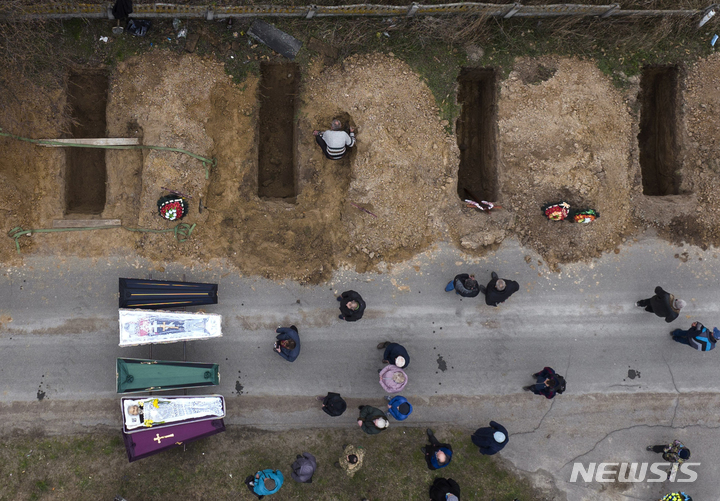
(135,375)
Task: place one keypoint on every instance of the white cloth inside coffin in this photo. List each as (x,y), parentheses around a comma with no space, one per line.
(171,410)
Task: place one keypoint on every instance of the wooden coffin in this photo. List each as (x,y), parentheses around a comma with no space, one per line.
(134,375)
(160,294)
(153,327)
(149,442)
(163,411)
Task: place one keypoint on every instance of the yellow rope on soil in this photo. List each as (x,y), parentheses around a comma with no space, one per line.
(207,162)
(182,231)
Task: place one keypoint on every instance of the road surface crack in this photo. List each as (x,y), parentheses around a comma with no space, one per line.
(677,399)
(540,423)
(573,460)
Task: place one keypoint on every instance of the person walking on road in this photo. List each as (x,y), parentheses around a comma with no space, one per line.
(287,343)
(675,452)
(444,489)
(352,306)
(698,337)
(437,455)
(464,284)
(304,468)
(498,290)
(490,440)
(264,482)
(394,354)
(399,407)
(335,142)
(663,304)
(372,420)
(548,383)
(393,379)
(333,404)
(351,460)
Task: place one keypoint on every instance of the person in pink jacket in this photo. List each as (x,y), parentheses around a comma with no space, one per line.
(393,379)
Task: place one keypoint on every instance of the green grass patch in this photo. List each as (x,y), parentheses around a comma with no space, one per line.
(96,467)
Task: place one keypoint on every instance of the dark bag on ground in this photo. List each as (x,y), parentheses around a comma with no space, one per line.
(138,27)
(560,384)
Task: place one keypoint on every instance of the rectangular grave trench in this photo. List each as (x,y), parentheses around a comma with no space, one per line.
(476,134)
(279,84)
(658,137)
(85,170)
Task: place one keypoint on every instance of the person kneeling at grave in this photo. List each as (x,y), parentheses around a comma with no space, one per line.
(335,142)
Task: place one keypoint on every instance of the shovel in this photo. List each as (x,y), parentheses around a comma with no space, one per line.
(201,207)
(117,29)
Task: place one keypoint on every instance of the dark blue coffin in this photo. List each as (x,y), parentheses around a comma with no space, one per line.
(162,294)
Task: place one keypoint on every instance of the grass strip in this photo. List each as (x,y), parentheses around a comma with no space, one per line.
(95,466)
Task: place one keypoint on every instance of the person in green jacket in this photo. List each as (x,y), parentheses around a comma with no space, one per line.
(372,420)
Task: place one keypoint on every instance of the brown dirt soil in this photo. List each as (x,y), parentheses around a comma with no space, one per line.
(696,219)
(564,137)
(403,162)
(564,133)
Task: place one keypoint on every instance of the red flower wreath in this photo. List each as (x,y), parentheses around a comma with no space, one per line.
(172,208)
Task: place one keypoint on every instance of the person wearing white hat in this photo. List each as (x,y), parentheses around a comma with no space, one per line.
(372,420)
(394,354)
(663,304)
(490,440)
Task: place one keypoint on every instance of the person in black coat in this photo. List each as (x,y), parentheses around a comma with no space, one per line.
(352,306)
(498,290)
(395,354)
(490,440)
(333,404)
(663,304)
(441,487)
(287,343)
(547,383)
(464,284)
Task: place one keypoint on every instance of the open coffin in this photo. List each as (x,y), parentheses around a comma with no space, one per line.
(148,442)
(136,375)
(149,327)
(155,294)
(142,413)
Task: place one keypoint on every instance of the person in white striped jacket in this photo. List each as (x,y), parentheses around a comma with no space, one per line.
(335,142)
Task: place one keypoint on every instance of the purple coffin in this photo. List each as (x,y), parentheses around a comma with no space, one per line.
(148,442)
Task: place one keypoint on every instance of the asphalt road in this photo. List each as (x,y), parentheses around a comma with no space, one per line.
(629,384)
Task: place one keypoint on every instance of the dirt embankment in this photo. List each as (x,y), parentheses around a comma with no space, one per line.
(693,216)
(563,132)
(564,136)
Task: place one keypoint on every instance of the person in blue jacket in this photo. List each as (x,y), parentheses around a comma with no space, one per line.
(437,455)
(287,343)
(698,337)
(490,440)
(399,407)
(265,482)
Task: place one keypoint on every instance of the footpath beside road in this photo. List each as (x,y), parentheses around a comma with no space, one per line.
(628,384)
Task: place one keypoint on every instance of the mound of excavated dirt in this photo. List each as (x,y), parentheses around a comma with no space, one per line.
(697,220)
(563,133)
(403,162)
(564,136)
(30,176)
